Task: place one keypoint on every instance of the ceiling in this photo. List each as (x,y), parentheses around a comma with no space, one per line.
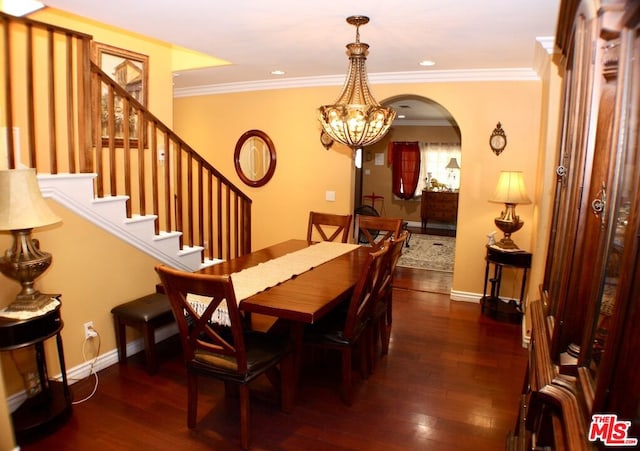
(307,39)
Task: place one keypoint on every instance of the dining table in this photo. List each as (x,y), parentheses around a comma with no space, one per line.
(303,299)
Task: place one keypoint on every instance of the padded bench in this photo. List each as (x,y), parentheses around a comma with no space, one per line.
(145,314)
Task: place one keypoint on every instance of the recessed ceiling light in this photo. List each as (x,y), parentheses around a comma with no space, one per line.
(401,116)
(427,63)
(277,72)
(20,8)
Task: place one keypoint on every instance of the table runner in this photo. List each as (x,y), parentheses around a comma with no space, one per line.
(255,279)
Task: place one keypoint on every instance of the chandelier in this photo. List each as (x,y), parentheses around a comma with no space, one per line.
(356,119)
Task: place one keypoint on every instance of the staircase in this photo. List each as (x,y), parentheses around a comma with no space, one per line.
(141,182)
(75,192)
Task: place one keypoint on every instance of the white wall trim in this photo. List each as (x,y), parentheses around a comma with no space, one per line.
(432,76)
(67,190)
(464,296)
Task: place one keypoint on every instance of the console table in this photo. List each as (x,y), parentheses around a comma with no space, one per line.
(438,206)
(51,407)
(491,304)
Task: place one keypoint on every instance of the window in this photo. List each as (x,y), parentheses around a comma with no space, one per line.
(434,158)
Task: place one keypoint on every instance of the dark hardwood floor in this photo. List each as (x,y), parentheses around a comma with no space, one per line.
(450,382)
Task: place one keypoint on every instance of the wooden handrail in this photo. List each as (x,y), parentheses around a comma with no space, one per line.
(76,124)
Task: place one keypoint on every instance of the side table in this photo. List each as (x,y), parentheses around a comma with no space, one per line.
(51,407)
(491,304)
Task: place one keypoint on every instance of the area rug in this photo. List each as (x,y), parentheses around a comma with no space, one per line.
(431,252)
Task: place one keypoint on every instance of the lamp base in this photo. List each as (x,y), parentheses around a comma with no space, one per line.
(25,262)
(506,243)
(31,303)
(508,223)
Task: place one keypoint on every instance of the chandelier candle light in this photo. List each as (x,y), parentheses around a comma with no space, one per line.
(356,119)
(23,208)
(511,192)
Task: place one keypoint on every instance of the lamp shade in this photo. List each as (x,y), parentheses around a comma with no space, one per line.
(510,189)
(453,164)
(21,203)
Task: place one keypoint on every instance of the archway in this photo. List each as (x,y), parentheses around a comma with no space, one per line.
(432,125)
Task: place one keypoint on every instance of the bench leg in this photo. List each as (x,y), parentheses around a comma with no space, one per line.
(121,339)
(149,348)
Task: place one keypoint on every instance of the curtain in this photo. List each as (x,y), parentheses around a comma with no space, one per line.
(434,158)
(405,171)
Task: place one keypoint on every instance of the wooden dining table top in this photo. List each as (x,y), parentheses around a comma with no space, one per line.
(307,297)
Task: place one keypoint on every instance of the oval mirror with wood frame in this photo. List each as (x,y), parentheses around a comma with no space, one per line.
(255,158)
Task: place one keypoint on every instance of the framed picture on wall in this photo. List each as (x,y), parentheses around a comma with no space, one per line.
(130,70)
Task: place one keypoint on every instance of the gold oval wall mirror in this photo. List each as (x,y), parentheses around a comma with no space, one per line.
(255,158)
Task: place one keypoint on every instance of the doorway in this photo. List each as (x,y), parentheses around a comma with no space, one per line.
(417,119)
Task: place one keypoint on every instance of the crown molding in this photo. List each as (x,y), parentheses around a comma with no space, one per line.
(548,43)
(432,76)
(421,123)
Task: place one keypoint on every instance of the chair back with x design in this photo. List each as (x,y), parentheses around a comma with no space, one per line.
(330,227)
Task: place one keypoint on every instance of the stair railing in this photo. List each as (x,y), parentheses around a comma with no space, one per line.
(69,116)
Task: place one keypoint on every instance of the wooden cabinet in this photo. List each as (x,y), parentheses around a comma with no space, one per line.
(587,322)
(438,206)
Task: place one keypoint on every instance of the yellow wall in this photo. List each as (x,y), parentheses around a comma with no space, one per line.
(305,170)
(546,173)
(94,271)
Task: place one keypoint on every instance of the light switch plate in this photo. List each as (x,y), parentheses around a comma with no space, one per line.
(330,196)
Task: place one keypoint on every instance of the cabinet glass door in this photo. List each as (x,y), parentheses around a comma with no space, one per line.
(620,226)
(617,368)
(571,243)
(575,155)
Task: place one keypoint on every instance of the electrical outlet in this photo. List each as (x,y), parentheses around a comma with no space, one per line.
(88,330)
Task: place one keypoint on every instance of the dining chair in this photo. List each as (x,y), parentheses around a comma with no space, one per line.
(381,317)
(329,226)
(374,230)
(232,353)
(349,332)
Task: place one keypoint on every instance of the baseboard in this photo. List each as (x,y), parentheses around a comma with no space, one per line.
(473,297)
(432,225)
(464,296)
(82,371)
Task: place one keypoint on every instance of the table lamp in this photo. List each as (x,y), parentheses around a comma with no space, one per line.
(23,208)
(511,192)
(452,166)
